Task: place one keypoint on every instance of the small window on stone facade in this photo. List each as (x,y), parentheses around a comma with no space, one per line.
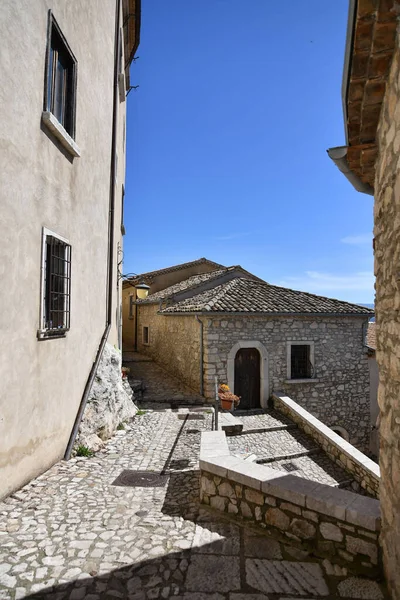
(146,336)
(300,360)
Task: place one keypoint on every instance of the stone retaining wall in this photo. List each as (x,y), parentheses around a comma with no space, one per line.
(364,470)
(332,523)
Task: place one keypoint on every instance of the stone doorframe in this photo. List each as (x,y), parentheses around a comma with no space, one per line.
(264,385)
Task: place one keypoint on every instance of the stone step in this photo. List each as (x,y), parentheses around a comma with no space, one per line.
(266,429)
(289,456)
(230,424)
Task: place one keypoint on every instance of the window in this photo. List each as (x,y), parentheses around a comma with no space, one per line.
(56,285)
(131,305)
(146,336)
(300,360)
(60,89)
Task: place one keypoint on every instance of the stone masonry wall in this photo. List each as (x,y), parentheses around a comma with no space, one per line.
(339,393)
(349,545)
(387,304)
(174,343)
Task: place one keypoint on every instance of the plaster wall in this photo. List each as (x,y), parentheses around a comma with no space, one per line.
(41,185)
(338,394)
(387,304)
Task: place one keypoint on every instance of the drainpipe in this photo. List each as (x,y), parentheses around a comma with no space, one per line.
(201,355)
(136,329)
(110,260)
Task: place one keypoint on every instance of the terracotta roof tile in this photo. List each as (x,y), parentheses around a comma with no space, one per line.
(193,263)
(248,296)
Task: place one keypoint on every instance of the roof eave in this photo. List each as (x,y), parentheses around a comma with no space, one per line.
(131,12)
(339,157)
(260,314)
(351,20)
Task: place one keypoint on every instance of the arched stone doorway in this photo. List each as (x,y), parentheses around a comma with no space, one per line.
(249,357)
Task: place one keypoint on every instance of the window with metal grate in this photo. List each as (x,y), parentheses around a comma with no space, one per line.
(300,362)
(56,286)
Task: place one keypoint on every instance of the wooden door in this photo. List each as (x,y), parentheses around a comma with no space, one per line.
(247,377)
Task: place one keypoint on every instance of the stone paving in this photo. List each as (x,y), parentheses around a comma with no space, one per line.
(274,444)
(262,421)
(161,388)
(71,534)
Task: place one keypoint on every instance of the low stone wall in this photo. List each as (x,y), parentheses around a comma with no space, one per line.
(331,522)
(364,470)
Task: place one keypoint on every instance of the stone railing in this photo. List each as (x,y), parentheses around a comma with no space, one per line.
(330,522)
(362,468)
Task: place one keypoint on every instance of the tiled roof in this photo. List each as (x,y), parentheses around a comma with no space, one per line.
(192,282)
(248,296)
(193,263)
(186,284)
(371,335)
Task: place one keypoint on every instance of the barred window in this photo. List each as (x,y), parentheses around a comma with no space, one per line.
(56,285)
(146,336)
(301,366)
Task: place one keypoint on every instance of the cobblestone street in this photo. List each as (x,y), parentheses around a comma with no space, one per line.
(72,534)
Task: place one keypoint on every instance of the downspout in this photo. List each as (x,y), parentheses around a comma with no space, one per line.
(201,355)
(110,261)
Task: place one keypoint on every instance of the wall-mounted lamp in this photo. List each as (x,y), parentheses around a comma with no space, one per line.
(142,291)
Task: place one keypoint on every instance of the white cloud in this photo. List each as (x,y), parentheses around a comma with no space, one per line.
(320,283)
(358,240)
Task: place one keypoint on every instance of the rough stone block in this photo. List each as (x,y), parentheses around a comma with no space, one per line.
(245,510)
(277,518)
(291,507)
(254,496)
(218,503)
(303,529)
(329,531)
(225,489)
(208,486)
(310,515)
(358,546)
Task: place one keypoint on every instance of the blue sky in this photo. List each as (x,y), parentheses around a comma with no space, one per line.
(226,145)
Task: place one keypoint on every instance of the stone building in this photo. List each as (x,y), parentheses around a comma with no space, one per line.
(370,160)
(257,337)
(156,280)
(62,137)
